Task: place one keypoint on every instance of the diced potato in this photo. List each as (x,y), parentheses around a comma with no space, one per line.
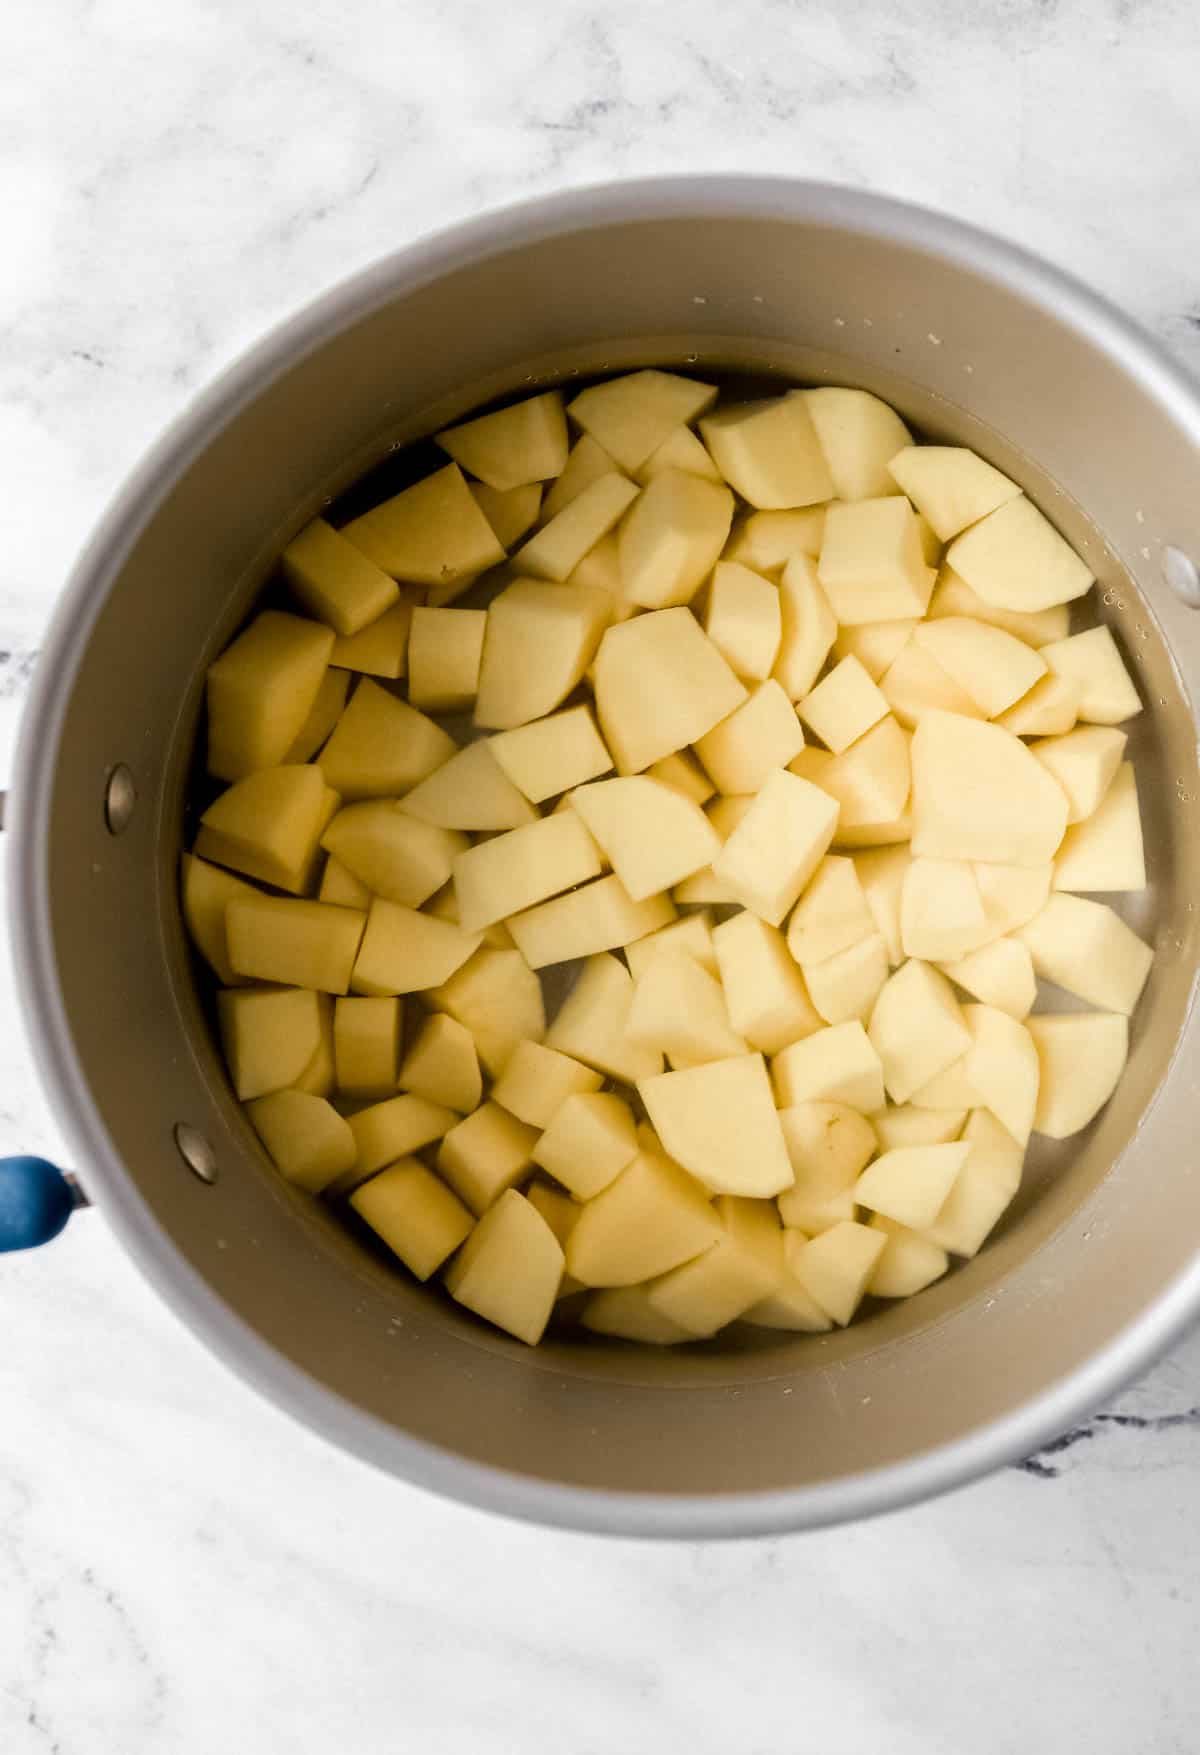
(366,1046)
(977,793)
(691,933)
(870,782)
(984,1188)
(1002,1065)
(755,1226)
(835,1267)
(540,639)
(586,463)
(269,825)
(778,844)
(909,1261)
(671,538)
(951,1089)
(765,993)
(828,1144)
(917,1030)
(342,888)
(442,1065)
(432,533)
(1080,945)
(859,435)
(951,486)
(761,735)
(1084,762)
(1050,708)
(445,649)
(323,715)
(600,569)
(500,877)
(684,773)
(395,855)
(807,628)
(831,915)
(1016,559)
(405,951)
(268,1035)
(1091,660)
(789,1306)
(653,836)
(470,791)
(626,1312)
(835,1065)
(552,755)
(381,648)
(510,511)
(911,1183)
(941,910)
(538,1080)
(319,1078)
(847,984)
(876,645)
(484,1154)
(1081,1056)
(719,1122)
(295,943)
(633,415)
(382,746)
(881,872)
(510,447)
(743,619)
(497,996)
(588,1142)
(415,1214)
(206,893)
(444,906)
(679,1010)
(591,1025)
(724,814)
(335,581)
(1012,894)
(999,974)
(509,1269)
(994,668)
(560,1213)
(903,1124)
(769,452)
(915,684)
(682,450)
(648,1220)
(715,1288)
(1105,852)
(1037,627)
(767,541)
(844,706)
(660,684)
(261,690)
(871,566)
(554,551)
(305,1137)
(397,1127)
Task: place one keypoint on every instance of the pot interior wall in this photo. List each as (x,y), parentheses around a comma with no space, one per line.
(1102,1226)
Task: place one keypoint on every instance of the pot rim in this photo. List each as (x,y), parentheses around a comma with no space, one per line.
(702,196)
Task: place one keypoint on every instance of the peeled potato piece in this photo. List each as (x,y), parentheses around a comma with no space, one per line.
(759,736)
(719,1121)
(405,951)
(765,993)
(843,707)
(881,873)
(994,668)
(497,996)
(269,1036)
(1081,1057)
(633,415)
(808,626)
(978,793)
(1088,949)
(1002,1065)
(682,450)
(334,580)
(950,485)
(679,1009)
(653,836)
(485,1153)
(1050,708)
(870,782)
(1090,660)
(554,551)
(396,1127)
(769,452)
(432,533)
(743,619)
(1084,762)
(308,1142)
(510,511)
(502,876)
(714,1289)
(985,1186)
(917,1029)
(1037,627)
(395,855)
(871,567)
(829,1146)
(778,844)
(260,691)
(1016,559)
(767,541)
(269,825)
(381,648)
(909,1261)
(915,684)
(470,792)
(834,1065)
(552,755)
(592,1023)
(660,684)
(445,647)
(526,442)
(941,910)
(911,1183)
(206,893)
(903,1124)
(859,435)
(442,1065)
(382,747)
(297,943)
(415,1214)
(876,645)
(691,933)
(835,1267)
(649,1219)
(1000,974)
(847,984)
(509,1269)
(626,1312)
(540,639)
(600,916)
(538,1080)
(1105,852)
(671,538)
(588,1141)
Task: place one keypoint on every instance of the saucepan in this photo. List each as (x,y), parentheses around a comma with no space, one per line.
(1096,1267)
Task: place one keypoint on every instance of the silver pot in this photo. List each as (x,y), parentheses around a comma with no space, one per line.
(1097,1268)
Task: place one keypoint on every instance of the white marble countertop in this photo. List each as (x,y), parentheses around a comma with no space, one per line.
(181,1570)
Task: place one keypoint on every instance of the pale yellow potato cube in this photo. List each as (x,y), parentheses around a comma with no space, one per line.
(510,1268)
(769,452)
(789,1307)
(591,1024)
(1000,974)
(552,755)
(859,435)
(540,639)
(1050,708)
(767,541)
(445,649)
(470,792)
(660,684)
(442,1065)
(835,1267)
(653,836)
(626,1312)
(682,450)
(305,1137)
(415,1214)
(917,1030)
(381,746)
(761,735)
(835,1065)
(444,906)
(649,1219)
(586,462)
(843,706)
(679,1010)
(719,1121)
(381,648)
(831,915)
(684,773)
(876,645)
(950,486)
(1012,894)
(755,1226)
(715,1288)
(395,855)
(405,951)
(554,551)
(525,442)
(942,915)
(268,1036)
(828,1145)
(909,1261)
(978,793)
(703,886)
(911,1183)
(341,887)
(881,873)
(600,916)
(691,933)
(870,783)
(872,568)
(260,691)
(538,1080)
(560,1213)
(904,1124)
(485,1153)
(497,996)
(743,619)
(269,825)
(671,538)
(1107,694)
(1015,558)
(1081,1056)
(366,1046)
(206,892)
(778,844)
(319,1078)
(1078,944)
(1105,852)
(915,684)
(432,533)
(335,581)
(510,511)
(631,416)
(808,628)
(1037,627)
(847,984)
(950,1089)
(588,1142)
(1002,1065)
(323,715)
(295,943)
(600,568)
(993,667)
(500,877)
(765,993)
(397,1127)
(985,1186)
(1084,762)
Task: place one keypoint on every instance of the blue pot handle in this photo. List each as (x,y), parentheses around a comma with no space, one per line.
(36,1200)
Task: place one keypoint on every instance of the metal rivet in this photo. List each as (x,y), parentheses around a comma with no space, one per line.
(196,1152)
(120,796)
(1179,571)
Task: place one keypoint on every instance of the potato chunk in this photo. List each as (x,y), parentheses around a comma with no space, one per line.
(719,1121)
(871,567)
(586,462)
(807,628)
(715,1288)
(1016,559)
(1002,1065)
(759,736)
(829,1145)
(843,707)
(382,746)
(261,690)
(671,538)
(396,1127)
(269,825)
(1105,852)
(525,442)
(206,893)
(381,648)
(509,1269)
(307,1140)
(633,415)
(1086,948)
(984,1188)
(445,649)
(859,435)
(679,1010)
(470,791)
(554,551)
(909,1261)
(1050,708)
(626,1312)
(653,836)
(538,1080)
(540,639)
(876,645)
(432,533)
(870,783)
(917,1029)
(911,1183)
(950,486)
(1107,694)
(502,876)
(1084,762)
(268,1035)
(649,1219)
(497,996)
(767,1000)
(1000,974)
(335,581)
(1037,627)
(941,910)
(847,984)
(835,1065)
(405,951)
(743,619)
(552,755)
(978,793)
(511,512)
(769,452)
(592,1023)
(299,944)
(395,855)
(442,1065)
(835,1267)
(1081,1057)
(778,844)
(994,668)
(660,684)
(600,916)
(589,1140)
(915,684)
(415,1214)
(366,1046)
(484,1154)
